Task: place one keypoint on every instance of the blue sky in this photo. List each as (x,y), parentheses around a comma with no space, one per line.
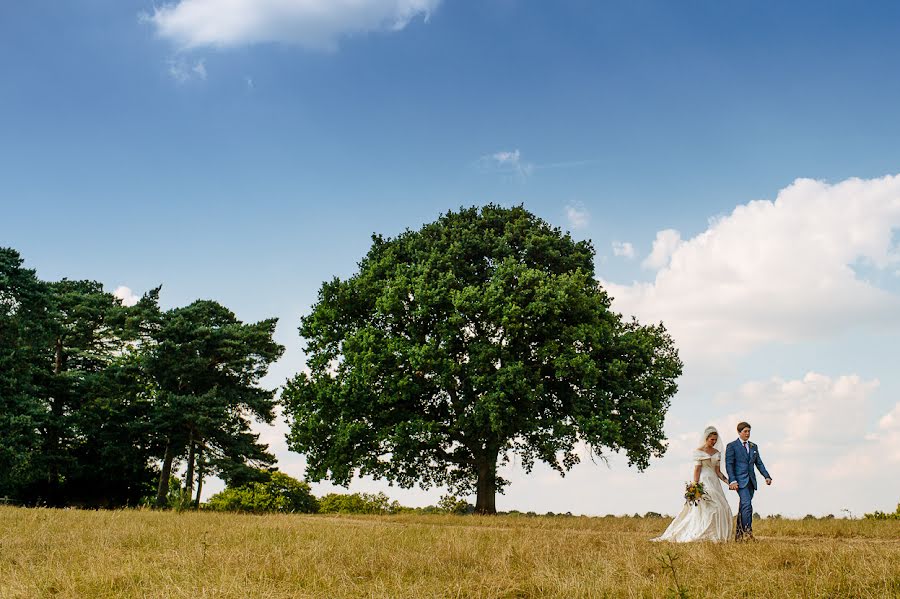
(246,151)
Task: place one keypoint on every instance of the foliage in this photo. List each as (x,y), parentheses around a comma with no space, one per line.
(93,393)
(450,504)
(280,493)
(74,415)
(358,503)
(206,365)
(877,515)
(24,344)
(481,335)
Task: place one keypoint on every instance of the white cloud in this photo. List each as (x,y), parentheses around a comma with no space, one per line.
(623,248)
(315,24)
(505,157)
(775,271)
(128,297)
(182,70)
(810,415)
(891,420)
(509,161)
(812,433)
(664,246)
(512,161)
(578,216)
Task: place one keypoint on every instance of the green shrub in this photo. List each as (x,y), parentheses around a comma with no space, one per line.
(358,503)
(450,504)
(281,493)
(884,515)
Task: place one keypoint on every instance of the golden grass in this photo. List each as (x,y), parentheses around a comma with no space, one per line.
(69,553)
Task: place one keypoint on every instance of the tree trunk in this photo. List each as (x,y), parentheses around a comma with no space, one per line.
(162,491)
(487,486)
(189,475)
(199,476)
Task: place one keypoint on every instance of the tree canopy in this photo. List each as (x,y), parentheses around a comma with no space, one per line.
(479,336)
(206,366)
(94,395)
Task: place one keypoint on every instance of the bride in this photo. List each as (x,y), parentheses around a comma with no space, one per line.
(710,520)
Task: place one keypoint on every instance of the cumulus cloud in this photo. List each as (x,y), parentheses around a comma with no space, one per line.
(888,435)
(814,431)
(664,246)
(775,271)
(809,415)
(317,24)
(126,295)
(623,249)
(891,420)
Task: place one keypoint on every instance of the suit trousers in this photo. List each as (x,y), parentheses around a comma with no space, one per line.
(746,506)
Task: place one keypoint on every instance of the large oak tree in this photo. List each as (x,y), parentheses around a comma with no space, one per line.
(481,335)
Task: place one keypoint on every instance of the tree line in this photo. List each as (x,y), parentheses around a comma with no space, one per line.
(98,400)
(478,337)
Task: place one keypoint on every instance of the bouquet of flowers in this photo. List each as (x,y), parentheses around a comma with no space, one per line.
(694,493)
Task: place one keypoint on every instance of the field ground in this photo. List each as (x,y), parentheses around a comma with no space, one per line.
(70,553)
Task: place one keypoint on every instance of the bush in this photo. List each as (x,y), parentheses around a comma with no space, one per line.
(281,493)
(358,503)
(450,504)
(884,515)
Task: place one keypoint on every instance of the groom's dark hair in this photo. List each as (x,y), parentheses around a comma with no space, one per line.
(743,425)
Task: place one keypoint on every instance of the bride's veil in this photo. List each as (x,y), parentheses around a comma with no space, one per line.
(719,446)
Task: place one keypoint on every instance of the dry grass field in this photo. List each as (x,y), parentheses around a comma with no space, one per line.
(69,553)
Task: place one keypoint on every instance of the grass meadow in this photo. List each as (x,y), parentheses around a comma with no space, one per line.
(148,554)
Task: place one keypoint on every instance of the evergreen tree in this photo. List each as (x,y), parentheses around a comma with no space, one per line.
(206,365)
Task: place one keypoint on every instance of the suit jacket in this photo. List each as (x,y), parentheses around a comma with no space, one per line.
(739,464)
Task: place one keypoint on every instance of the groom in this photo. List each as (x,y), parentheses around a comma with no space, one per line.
(740,457)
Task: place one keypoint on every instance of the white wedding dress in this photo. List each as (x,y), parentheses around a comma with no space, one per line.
(711,519)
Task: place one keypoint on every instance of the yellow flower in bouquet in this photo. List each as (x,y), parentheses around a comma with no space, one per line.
(694,493)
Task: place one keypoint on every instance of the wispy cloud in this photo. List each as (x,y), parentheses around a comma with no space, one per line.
(513,162)
(623,249)
(317,24)
(507,161)
(566,164)
(577,215)
(183,70)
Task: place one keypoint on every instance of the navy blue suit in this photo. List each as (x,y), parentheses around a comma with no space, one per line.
(739,464)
